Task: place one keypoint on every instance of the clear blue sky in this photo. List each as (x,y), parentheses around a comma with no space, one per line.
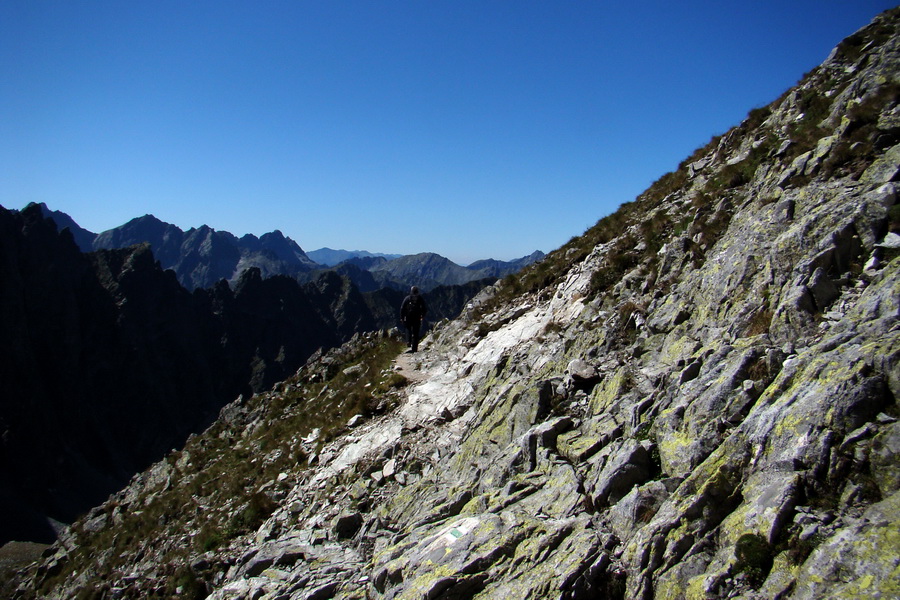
(470,129)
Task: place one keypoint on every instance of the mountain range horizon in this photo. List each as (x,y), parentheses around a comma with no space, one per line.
(325,256)
(202,256)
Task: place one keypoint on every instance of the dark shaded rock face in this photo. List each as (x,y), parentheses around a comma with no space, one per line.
(52,303)
(107,362)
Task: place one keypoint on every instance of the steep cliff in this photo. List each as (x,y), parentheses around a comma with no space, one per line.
(104,365)
(695,399)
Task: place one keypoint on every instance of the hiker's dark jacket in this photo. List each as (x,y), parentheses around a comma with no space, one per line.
(413,308)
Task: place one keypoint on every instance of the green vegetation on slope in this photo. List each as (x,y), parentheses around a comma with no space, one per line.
(225,483)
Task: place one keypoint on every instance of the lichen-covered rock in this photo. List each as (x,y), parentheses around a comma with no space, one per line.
(858,560)
(626,466)
(884,458)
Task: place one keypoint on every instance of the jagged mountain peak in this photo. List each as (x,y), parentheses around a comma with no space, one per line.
(149,221)
(274,234)
(83,237)
(201,256)
(697,398)
(284,247)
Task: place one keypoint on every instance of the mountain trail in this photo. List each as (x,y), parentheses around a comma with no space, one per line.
(412,365)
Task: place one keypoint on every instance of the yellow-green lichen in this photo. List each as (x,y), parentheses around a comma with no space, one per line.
(781,577)
(611,388)
(678,349)
(696,588)
(423,584)
(577,446)
(673,445)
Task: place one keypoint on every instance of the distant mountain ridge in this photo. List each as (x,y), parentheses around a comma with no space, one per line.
(500,268)
(203,256)
(432,270)
(331,258)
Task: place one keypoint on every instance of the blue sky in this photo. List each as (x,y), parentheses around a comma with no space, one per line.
(470,129)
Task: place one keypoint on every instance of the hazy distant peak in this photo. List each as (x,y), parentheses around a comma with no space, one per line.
(331,257)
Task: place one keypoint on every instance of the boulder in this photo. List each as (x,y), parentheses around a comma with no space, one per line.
(891,240)
(347,524)
(854,562)
(281,552)
(628,465)
(823,290)
(581,371)
(636,508)
(884,458)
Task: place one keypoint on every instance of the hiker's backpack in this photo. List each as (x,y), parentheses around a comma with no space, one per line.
(414,306)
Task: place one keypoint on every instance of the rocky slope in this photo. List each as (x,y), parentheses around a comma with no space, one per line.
(696,399)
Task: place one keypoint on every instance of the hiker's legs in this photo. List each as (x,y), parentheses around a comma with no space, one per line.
(414,336)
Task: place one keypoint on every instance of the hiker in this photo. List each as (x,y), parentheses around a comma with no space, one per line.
(412,313)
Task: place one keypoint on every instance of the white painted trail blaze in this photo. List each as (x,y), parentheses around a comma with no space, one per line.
(451,534)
